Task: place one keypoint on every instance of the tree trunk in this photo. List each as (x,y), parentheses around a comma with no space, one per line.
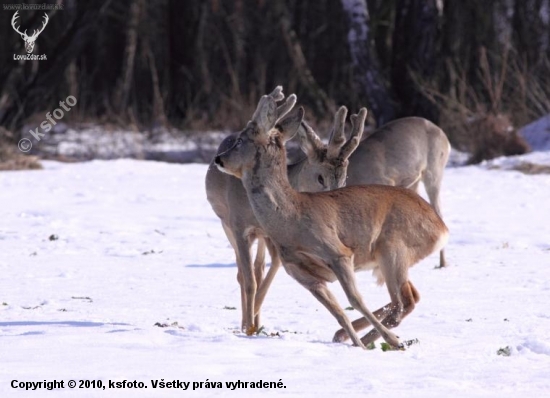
(367,73)
(529,33)
(414,40)
(132,34)
(322,103)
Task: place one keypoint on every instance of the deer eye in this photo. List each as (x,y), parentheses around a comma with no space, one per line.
(239,142)
(321,180)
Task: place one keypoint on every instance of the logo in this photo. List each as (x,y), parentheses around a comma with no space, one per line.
(29,40)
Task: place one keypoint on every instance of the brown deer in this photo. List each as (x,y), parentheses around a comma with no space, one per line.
(324,168)
(327,236)
(403,153)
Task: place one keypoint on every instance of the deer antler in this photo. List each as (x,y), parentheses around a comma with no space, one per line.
(44,23)
(29,40)
(338,136)
(358,124)
(13,20)
(277,94)
(269,101)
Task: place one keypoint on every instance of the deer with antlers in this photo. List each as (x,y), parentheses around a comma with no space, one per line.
(323,168)
(327,236)
(29,40)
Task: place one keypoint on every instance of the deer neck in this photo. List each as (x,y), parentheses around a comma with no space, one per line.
(269,191)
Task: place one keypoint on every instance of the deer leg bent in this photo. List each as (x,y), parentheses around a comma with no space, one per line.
(361,323)
(343,269)
(408,297)
(321,292)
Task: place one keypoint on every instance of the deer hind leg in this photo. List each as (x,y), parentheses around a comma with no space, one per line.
(398,309)
(361,323)
(381,313)
(346,276)
(432,182)
(395,276)
(266,282)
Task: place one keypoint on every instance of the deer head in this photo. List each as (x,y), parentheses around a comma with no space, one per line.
(326,165)
(268,128)
(29,40)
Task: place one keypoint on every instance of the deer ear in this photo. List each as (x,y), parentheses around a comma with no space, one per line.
(290,124)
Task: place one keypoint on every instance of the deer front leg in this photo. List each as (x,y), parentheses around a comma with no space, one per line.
(247,280)
(321,292)
(259,268)
(266,282)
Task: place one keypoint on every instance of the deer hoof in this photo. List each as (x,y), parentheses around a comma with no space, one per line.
(251,330)
(340,336)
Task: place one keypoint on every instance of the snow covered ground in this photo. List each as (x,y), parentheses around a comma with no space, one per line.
(93,255)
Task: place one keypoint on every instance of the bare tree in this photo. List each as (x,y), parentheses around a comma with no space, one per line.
(414,52)
(367,73)
(530,35)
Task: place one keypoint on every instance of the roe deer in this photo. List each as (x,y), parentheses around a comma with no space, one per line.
(402,153)
(324,168)
(325,236)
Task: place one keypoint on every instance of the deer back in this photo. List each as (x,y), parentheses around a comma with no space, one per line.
(362,221)
(398,152)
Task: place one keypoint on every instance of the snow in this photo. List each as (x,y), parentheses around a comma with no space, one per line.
(537,134)
(95,142)
(137,244)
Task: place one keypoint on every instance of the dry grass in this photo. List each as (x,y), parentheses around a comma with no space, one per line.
(492,136)
(480,114)
(10,156)
(525,168)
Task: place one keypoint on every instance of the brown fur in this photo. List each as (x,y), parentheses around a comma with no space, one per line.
(326,236)
(230,202)
(403,153)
